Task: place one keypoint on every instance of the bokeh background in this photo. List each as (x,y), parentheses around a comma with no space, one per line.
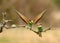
(30,9)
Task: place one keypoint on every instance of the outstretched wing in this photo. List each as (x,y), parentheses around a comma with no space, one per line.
(22,17)
(39,16)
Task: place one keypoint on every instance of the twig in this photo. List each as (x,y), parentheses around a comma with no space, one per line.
(38,33)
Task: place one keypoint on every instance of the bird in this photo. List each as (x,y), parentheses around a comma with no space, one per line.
(29,21)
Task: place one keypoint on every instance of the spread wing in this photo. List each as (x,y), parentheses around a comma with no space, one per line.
(22,17)
(39,16)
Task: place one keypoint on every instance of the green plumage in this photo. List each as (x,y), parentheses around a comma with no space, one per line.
(30,24)
(40,29)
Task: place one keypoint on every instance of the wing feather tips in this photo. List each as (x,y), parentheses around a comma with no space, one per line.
(22,17)
(39,16)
